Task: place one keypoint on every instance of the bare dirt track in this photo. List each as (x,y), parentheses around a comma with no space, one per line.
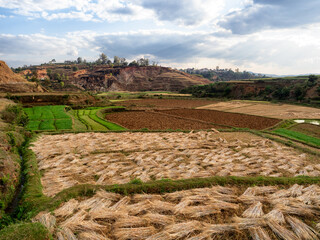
(257,213)
(155,121)
(115,158)
(281,111)
(164,103)
(225,118)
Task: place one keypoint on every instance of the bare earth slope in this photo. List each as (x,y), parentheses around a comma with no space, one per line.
(151,78)
(11,82)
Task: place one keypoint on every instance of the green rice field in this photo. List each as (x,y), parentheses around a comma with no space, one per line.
(93,119)
(298,136)
(52,118)
(48,118)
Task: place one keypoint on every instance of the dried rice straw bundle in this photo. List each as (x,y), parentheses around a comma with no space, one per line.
(91,236)
(138,208)
(134,233)
(199,211)
(129,222)
(180,230)
(108,195)
(67,208)
(161,207)
(297,208)
(254,211)
(302,230)
(246,223)
(66,234)
(73,221)
(159,236)
(141,197)
(106,214)
(159,219)
(275,215)
(259,233)
(47,220)
(100,205)
(295,190)
(122,202)
(282,232)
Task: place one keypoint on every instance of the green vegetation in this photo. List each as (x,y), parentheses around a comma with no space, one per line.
(25,231)
(283,89)
(90,117)
(48,118)
(298,136)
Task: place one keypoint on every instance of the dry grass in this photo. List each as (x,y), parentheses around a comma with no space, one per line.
(176,215)
(282,111)
(115,158)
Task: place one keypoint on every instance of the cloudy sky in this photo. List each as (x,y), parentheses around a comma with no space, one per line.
(266,36)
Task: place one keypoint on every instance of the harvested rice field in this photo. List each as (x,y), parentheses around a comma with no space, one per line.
(258,213)
(115,158)
(225,118)
(156,121)
(164,103)
(281,111)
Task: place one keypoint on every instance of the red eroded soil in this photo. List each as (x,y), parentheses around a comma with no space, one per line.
(155,121)
(225,118)
(164,103)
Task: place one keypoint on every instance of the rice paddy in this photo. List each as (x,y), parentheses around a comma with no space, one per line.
(48,118)
(76,172)
(52,118)
(89,117)
(266,212)
(115,158)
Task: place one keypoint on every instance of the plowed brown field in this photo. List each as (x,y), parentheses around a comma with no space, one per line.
(189,119)
(156,121)
(224,118)
(164,103)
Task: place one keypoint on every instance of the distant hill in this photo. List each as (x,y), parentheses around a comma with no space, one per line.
(11,82)
(106,78)
(301,89)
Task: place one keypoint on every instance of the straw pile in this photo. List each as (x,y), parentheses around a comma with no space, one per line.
(207,213)
(115,158)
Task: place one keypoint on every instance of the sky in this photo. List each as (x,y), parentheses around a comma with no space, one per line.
(262,36)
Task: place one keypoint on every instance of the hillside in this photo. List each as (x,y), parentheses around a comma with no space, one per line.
(11,82)
(301,89)
(105,78)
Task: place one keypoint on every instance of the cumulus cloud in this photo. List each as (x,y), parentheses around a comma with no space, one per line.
(273,51)
(271,14)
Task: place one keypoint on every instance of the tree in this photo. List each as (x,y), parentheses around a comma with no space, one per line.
(103,58)
(79,60)
(116,60)
(75,68)
(312,78)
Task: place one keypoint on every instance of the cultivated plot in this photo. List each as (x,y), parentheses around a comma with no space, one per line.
(113,158)
(282,111)
(208,213)
(48,118)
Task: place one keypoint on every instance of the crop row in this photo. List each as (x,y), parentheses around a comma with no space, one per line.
(90,118)
(48,118)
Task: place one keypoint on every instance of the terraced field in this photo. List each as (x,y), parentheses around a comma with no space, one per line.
(208,213)
(48,118)
(188,119)
(115,158)
(54,118)
(89,117)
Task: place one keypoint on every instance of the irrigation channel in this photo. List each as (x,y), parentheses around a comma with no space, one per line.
(13,206)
